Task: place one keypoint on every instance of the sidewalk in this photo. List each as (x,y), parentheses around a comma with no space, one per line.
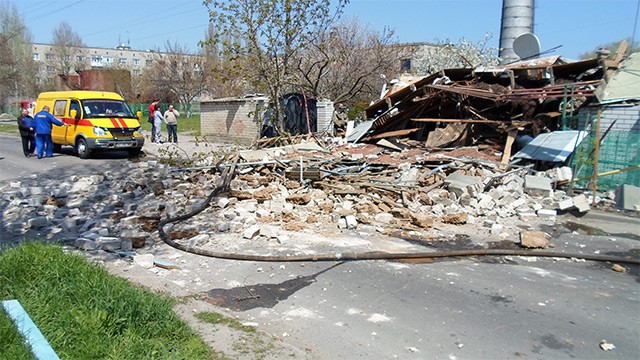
(188,146)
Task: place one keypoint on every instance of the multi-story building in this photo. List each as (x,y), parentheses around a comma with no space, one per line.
(53,60)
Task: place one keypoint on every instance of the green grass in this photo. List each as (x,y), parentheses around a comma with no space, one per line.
(86,313)
(9,127)
(189,126)
(215,318)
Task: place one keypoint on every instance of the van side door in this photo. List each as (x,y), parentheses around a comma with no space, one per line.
(73,121)
(59,133)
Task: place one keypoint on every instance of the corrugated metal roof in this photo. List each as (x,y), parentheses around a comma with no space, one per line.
(554,147)
(625,83)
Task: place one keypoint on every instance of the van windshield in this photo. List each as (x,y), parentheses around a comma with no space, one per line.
(106,109)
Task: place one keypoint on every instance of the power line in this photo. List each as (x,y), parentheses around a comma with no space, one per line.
(635,25)
(62,8)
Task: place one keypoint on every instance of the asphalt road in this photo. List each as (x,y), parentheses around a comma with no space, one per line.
(14,165)
(472,308)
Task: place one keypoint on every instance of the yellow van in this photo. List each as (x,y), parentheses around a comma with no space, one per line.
(98,121)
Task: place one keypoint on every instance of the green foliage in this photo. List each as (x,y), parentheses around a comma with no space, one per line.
(85,313)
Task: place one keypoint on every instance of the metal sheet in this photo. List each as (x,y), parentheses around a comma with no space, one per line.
(554,147)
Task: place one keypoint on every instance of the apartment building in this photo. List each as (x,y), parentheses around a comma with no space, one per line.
(52,60)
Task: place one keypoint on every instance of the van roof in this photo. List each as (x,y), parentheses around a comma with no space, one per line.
(80,94)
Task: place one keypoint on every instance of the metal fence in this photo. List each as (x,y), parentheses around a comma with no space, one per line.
(619,152)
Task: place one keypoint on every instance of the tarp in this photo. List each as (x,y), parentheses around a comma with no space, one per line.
(553,147)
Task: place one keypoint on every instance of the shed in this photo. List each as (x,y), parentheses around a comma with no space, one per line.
(230,120)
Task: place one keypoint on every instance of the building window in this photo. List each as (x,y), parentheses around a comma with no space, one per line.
(405,64)
(123,61)
(136,61)
(51,69)
(148,62)
(80,58)
(67,58)
(36,56)
(136,72)
(48,56)
(108,59)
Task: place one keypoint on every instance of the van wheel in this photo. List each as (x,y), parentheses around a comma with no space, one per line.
(57,148)
(82,149)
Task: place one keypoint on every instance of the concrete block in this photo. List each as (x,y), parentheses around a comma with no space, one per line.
(109,243)
(566,204)
(352,222)
(384,218)
(537,186)
(496,229)
(145,260)
(269,231)
(627,197)
(251,232)
(37,222)
(461,184)
(85,244)
(581,203)
(547,214)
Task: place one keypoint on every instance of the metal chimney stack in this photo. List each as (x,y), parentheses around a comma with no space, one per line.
(517,19)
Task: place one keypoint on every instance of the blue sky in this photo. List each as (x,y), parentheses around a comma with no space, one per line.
(578,25)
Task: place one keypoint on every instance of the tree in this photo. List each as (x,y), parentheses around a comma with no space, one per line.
(427,60)
(177,75)
(67,45)
(612,47)
(16,63)
(346,60)
(275,32)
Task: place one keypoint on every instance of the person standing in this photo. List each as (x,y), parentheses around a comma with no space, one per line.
(152,109)
(27,133)
(171,119)
(44,122)
(157,124)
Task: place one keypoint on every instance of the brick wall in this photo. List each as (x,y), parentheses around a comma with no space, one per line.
(231,120)
(628,117)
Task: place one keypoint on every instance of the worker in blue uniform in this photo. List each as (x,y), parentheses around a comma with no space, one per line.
(44,122)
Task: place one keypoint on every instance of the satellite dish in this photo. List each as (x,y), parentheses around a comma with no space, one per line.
(526,46)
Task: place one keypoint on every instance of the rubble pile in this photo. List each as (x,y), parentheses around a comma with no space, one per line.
(404,193)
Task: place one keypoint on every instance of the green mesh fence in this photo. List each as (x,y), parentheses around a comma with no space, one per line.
(182,108)
(618,150)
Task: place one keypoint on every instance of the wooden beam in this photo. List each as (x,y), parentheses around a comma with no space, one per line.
(506,154)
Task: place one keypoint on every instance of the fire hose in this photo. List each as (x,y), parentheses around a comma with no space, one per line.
(227,175)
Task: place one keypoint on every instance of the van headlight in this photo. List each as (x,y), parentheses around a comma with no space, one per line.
(98,131)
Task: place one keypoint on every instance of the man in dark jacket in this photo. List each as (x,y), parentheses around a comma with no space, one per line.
(44,122)
(27,133)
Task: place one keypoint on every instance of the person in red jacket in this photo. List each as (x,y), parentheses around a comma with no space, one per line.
(152,109)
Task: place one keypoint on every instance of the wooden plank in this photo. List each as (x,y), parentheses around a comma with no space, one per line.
(164,264)
(391,134)
(442,137)
(473,121)
(506,154)
(40,347)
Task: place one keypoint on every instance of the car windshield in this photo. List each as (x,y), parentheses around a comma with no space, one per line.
(106,109)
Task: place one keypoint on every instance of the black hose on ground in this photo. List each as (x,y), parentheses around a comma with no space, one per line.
(227,175)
